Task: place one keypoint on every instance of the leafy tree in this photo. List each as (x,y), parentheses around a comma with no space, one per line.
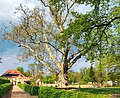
(58,36)
(112,64)
(84,75)
(101,73)
(114,74)
(27,73)
(36,70)
(50,78)
(73,77)
(20,69)
(31,68)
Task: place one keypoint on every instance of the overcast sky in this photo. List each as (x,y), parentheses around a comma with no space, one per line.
(9,50)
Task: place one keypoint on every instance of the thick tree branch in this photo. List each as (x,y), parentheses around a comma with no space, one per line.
(72,56)
(82,53)
(52,46)
(67,50)
(37,57)
(50,53)
(104,23)
(46,65)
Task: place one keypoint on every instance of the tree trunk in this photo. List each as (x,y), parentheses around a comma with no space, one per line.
(63,77)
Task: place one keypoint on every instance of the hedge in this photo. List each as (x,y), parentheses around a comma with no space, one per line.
(50,92)
(4,80)
(32,90)
(4,88)
(106,90)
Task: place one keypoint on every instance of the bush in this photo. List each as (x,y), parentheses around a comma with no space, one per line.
(107,90)
(50,92)
(4,80)
(32,90)
(4,88)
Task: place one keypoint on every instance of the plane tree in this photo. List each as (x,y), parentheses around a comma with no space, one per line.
(57,35)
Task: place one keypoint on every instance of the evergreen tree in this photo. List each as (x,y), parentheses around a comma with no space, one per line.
(92,75)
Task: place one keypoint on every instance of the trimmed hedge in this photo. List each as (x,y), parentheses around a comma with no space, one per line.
(32,90)
(4,88)
(4,80)
(50,92)
(106,90)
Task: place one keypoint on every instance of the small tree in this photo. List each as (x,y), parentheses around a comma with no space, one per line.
(92,75)
(73,77)
(84,75)
(101,74)
(27,73)
(20,69)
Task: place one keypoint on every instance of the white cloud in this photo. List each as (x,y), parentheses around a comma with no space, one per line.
(7,8)
(1,14)
(10,61)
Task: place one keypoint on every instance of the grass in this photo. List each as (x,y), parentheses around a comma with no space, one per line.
(110,90)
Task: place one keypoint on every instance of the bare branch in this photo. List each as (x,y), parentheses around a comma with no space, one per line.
(37,57)
(47,66)
(50,52)
(82,53)
(68,11)
(44,3)
(53,47)
(104,23)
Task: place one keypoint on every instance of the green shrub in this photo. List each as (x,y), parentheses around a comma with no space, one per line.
(107,90)
(45,92)
(32,90)
(4,80)
(50,92)
(4,88)
(27,88)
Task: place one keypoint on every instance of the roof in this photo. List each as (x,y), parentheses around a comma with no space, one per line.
(12,72)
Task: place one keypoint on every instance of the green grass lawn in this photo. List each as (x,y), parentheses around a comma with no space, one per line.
(110,90)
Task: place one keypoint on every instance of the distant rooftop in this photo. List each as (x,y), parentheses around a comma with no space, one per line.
(11,73)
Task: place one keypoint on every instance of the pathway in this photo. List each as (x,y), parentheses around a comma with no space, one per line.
(19,93)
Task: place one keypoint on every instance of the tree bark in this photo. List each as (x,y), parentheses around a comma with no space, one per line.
(63,77)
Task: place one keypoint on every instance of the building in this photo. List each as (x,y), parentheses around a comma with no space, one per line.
(15,76)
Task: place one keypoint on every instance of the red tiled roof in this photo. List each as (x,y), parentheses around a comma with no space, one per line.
(13,72)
